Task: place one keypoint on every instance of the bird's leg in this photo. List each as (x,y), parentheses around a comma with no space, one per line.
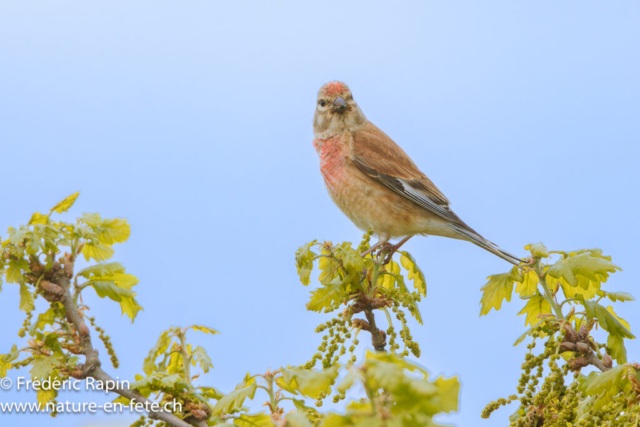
(394,248)
(371,249)
(381,241)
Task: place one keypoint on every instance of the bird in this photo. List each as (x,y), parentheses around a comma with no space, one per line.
(376,184)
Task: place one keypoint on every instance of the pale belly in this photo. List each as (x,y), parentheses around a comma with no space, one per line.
(369,204)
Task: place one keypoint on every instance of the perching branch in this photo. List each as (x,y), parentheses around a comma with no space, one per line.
(378,337)
(367,305)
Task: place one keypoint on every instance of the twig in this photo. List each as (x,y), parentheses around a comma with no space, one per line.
(378,337)
(593,360)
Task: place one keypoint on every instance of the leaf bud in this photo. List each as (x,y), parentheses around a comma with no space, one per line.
(84,330)
(606,361)
(52,292)
(199,414)
(583,347)
(578,363)
(570,333)
(583,333)
(68,270)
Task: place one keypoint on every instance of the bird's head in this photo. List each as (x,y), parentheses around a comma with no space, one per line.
(336,111)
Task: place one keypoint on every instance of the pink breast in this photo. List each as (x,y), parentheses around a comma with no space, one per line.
(332,161)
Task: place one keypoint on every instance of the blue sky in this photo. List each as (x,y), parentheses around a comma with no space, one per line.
(193,120)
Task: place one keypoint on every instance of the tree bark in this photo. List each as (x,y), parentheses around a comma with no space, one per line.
(378,337)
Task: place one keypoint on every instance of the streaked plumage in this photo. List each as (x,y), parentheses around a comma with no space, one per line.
(375,183)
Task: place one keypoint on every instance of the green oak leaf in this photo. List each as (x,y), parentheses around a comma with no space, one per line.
(536,305)
(66,203)
(233,401)
(309,383)
(586,265)
(413,272)
(498,288)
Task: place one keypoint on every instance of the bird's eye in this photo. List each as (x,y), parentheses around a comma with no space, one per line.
(322,103)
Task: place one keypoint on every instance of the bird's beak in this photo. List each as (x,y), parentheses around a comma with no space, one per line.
(339,105)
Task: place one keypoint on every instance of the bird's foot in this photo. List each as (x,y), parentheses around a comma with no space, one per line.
(386,247)
(368,251)
(373,248)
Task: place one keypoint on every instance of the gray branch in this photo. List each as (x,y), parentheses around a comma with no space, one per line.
(378,337)
(593,360)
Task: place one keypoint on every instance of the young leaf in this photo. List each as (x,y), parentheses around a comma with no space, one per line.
(211,392)
(412,393)
(498,288)
(13,273)
(535,305)
(204,329)
(329,267)
(233,401)
(66,204)
(157,381)
(114,230)
(252,420)
(413,307)
(304,262)
(347,382)
(103,269)
(26,298)
(326,295)
(449,390)
(617,349)
(538,250)
(529,284)
(91,219)
(351,259)
(118,290)
(620,319)
(523,336)
(585,264)
(38,218)
(149,365)
(51,341)
(4,366)
(587,288)
(45,396)
(618,296)
(201,358)
(607,320)
(296,419)
(130,307)
(606,385)
(97,251)
(44,319)
(6,359)
(307,382)
(610,323)
(43,367)
(387,279)
(414,272)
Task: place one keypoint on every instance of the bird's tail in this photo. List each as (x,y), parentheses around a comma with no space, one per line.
(487,245)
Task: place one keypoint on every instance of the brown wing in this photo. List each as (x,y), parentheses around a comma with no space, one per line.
(383,160)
